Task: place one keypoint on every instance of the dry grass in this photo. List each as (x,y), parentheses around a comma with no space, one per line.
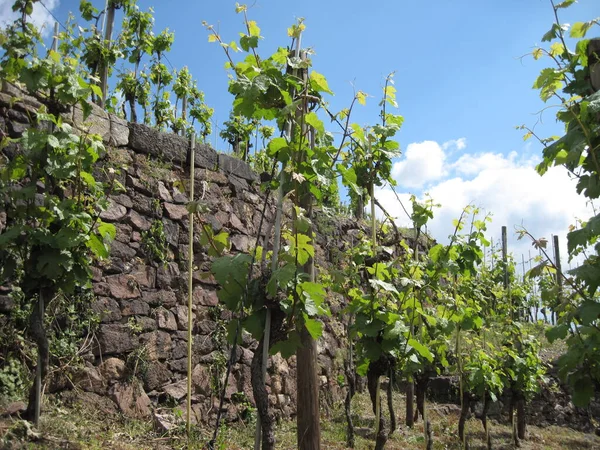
(77,425)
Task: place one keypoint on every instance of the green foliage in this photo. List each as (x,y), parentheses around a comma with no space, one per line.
(154,243)
(52,201)
(567,82)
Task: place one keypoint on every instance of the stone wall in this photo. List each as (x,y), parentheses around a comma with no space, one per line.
(139,356)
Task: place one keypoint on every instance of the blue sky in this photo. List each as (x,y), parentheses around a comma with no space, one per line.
(462,88)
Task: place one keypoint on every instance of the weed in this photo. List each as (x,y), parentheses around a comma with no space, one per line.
(154,243)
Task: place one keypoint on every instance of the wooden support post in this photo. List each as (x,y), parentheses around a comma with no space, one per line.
(559,277)
(190,290)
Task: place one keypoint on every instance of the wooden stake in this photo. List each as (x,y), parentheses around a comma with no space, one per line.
(190,291)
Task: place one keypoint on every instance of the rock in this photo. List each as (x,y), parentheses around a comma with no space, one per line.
(175,212)
(90,380)
(168,147)
(158,345)
(123,199)
(122,286)
(112,369)
(123,233)
(206,157)
(160,298)
(107,309)
(97,122)
(115,338)
(171,232)
(145,323)
(113,212)
(178,365)
(165,319)
(119,131)
(137,221)
(134,308)
(206,326)
(204,297)
(201,380)
(236,223)
(176,390)
(14,408)
(163,423)
(166,276)
(145,276)
(131,400)
(178,196)
(6,304)
(237,167)
(246,356)
(121,251)
(242,243)
(181,314)
(139,186)
(157,375)
(164,193)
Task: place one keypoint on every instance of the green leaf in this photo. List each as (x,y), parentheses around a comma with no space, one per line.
(565,4)
(96,245)
(314,327)
(423,351)
(255,323)
(583,392)
(589,311)
(96,89)
(319,83)
(288,346)
(313,295)
(557,332)
(312,119)
(53,141)
(232,328)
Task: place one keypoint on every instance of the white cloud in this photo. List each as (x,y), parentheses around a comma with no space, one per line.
(40,16)
(506,186)
(455,144)
(423,163)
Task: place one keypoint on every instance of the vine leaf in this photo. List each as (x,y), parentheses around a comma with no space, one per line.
(423,351)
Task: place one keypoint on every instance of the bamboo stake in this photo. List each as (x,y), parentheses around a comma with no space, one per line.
(190,296)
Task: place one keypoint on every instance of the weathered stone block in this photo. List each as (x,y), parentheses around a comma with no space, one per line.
(205,297)
(137,221)
(107,309)
(175,212)
(168,147)
(97,122)
(121,251)
(119,131)
(158,345)
(165,319)
(114,212)
(122,286)
(112,369)
(160,298)
(134,308)
(201,380)
(157,375)
(114,339)
(131,400)
(237,167)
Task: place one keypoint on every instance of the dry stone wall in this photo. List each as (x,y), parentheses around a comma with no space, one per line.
(139,356)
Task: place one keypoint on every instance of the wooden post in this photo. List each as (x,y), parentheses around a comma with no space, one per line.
(190,289)
(505,264)
(55,37)
(38,369)
(110,21)
(307,406)
(559,278)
